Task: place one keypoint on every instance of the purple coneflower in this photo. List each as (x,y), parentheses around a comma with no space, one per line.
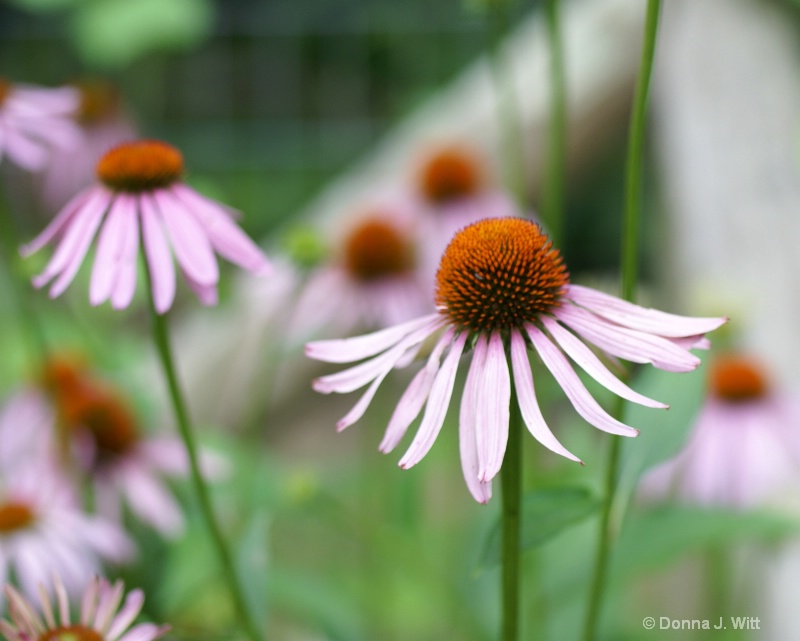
(34,121)
(744,445)
(141,192)
(372,281)
(502,289)
(43,530)
(100,618)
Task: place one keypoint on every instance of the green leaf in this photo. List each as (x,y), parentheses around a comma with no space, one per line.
(114,33)
(545,514)
(657,537)
(252,565)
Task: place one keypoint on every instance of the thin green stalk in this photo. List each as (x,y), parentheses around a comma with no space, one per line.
(511,485)
(508,114)
(161,337)
(630,275)
(553,187)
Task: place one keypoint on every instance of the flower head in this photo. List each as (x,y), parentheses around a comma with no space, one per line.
(744,445)
(373,280)
(34,121)
(101,618)
(140,192)
(502,290)
(43,529)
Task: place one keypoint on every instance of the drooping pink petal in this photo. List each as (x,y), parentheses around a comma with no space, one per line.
(526,397)
(126,615)
(58,224)
(349,350)
(411,402)
(145,632)
(351,379)
(46,607)
(206,294)
(107,605)
(188,239)
(225,235)
(150,501)
(27,152)
(640,318)
(157,253)
(629,344)
(578,395)
(89,603)
(125,285)
(88,216)
(592,365)
(493,400)
(467,420)
(436,408)
(109,248)
(62,599)
(361,406)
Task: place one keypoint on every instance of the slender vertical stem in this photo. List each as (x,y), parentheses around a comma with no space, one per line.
(553,194)
(630,274)
(508,115)
(511,483)
(161,337)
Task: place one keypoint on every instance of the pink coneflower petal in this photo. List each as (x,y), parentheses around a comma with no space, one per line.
(144,632)
(28,154)
(494,397)
(74,242)
(467,427)
(119,230)
(107,605)
(157,253)
(362,404)
(125,284)
(206,294)
(351,379)
(47,608)
(640,318)
(629,344)
(415,395)
(592,365)
(190,242)
(526,396)
(579,396)
(226,237)
(63,601)
(150,501)
(58,224)
(89,603)
(436,408)
(347,350)
(126,616)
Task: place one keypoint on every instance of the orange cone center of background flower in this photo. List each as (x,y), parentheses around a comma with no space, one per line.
(141,166)
(5,89)
(99,101)
(376,249)
(450,175)
(499,273)
(109,421)
(736,378)
(71,633)
(15,516)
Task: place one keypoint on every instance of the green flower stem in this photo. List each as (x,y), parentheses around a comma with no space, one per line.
(630,275)
(512,138)
(161,337)
(553,194)
(511,485)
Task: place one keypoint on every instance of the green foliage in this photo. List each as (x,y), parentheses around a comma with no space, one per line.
(114,33)
(545,514)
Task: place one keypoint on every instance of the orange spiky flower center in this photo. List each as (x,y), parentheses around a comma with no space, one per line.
(499,273)
(377,249)
(107,418)
(15,515)
(737,378)
(75,632)
(449,175)
(143,165)
(99,101)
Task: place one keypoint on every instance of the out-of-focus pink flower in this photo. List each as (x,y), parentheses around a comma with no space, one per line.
(104,124)
(43,530)
(141,194)
(502,289)
(744,447)
(373,279)
(34,121)
(100,618)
